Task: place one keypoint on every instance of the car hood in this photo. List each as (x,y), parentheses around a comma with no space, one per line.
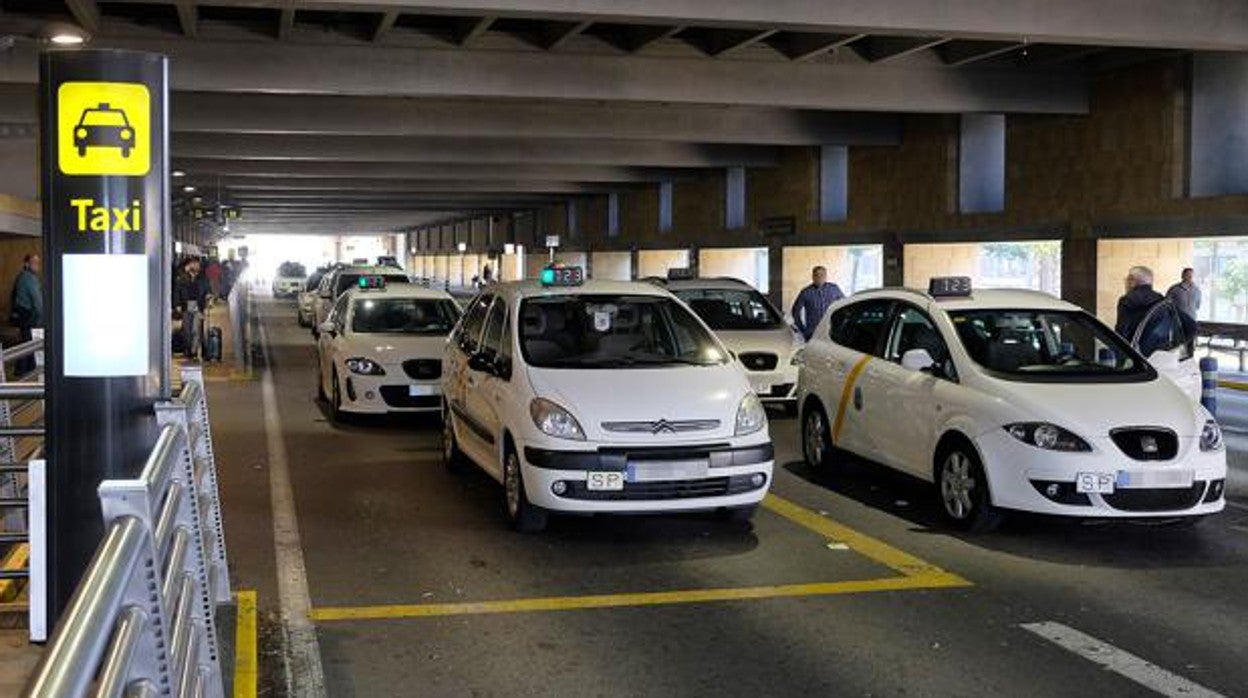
(1092,410)
(394,349)
(674,394)
(781,342)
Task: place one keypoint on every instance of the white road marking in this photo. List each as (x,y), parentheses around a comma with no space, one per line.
(305,676)
(1119,661)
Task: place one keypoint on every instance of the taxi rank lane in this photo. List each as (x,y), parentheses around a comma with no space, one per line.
(383,523)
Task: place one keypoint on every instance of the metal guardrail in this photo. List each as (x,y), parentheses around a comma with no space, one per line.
(143,620)
(22,522)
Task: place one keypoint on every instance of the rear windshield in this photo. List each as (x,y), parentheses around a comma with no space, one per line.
(346,281)
(732,309)
(613,331)
(430,316)
(1048,346)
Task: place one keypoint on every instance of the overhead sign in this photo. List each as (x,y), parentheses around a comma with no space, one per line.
(552,240)
(778,226)
(104,128)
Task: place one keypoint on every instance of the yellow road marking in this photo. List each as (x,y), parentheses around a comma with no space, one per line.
(1233,385)
(914,574)
(17,558)
(845,393)
(246,667)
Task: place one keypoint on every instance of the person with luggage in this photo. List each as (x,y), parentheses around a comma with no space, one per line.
(191,294)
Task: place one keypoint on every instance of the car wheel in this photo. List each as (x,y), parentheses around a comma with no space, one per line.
(524,516)
(125,152)
(817,440)
(452,457)
(963,488)
(82,151)
(335,404)
(320,382)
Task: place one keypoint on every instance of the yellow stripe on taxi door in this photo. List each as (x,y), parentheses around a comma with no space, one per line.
(845,393)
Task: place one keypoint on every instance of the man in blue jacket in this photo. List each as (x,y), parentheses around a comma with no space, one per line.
(26,302)
(814,301)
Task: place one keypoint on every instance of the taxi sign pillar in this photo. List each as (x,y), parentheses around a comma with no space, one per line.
(106,251)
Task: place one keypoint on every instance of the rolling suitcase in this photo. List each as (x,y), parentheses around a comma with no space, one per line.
(212,344)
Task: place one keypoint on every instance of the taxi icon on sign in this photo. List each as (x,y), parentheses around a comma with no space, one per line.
(103,126)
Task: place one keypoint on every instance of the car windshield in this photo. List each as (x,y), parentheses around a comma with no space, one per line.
(1047,346)
(346,281)
(613,331)
(100,117)
(732,309)
(431,316)
(292,269)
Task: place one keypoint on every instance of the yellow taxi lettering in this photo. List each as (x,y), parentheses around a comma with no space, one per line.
(105,219)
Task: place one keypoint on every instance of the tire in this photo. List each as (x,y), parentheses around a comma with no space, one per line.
(335,403)
(452,457)
(817,449)
(125,152)
(739,515)
(523,516)
(962,490)
(82,151)
(320,382)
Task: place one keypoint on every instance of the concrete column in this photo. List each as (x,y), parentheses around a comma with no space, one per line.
(1079,270)
(775,273)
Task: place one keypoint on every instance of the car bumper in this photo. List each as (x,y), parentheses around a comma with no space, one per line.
(731,478)
(386,394)
(1025,478)
(775,387)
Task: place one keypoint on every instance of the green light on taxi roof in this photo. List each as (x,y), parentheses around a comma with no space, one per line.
(363,282)
(548,276)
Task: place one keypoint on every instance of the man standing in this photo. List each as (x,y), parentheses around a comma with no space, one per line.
(1186,295)
(1134,304)
(26,302)
(814,301)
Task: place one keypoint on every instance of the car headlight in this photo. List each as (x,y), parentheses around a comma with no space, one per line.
(1047,436)
(555,421)
(365,367)
(1211,437)
(751,416)
(81,133)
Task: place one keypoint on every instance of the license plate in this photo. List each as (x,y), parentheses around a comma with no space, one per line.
(659,471)
(612,481)
(421,390)
(1095,483)
(1130,479)
(761,388)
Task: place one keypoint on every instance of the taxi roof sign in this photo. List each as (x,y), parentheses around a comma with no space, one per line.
(680,274)
(372,283)
(560,275)
(949,287)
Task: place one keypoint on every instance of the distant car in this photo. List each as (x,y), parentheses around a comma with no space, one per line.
(289,280)
(103,127)
(1007,400)
(380,350)
(305,310)
(754,331)
(601,397)
(341,279)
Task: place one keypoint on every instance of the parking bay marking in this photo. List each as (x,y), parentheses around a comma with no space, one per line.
(1119,661)
(913,573)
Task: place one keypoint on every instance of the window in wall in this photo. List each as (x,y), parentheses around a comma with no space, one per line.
(981,164)
(833,183)
(613,215)
(734,198)
(665,207)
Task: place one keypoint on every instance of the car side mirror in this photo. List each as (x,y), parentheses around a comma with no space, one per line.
(328,328)
(917,360)
(480,362)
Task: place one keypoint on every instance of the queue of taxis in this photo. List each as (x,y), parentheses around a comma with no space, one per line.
(1008,401)
(380,348)
(592,397)
(341,278)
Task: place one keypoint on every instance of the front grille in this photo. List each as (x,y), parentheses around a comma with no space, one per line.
(423,369)
(399,396)
(671,489)
(1174,499)
(759,360)
(1146,444)
(779,390)
(662,426)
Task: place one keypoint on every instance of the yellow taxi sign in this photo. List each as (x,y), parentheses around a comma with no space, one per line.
(104,128)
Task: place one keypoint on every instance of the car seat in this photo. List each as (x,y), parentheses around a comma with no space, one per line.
(1011,349)
(541,328)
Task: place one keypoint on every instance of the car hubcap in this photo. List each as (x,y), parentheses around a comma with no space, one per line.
(814,438)
(511,473)
(957,485)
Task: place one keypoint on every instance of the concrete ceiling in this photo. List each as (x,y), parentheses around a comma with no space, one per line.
(352,114)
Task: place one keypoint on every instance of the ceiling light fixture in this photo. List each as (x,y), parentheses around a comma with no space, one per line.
(177,173)
(188,189)
(62,34)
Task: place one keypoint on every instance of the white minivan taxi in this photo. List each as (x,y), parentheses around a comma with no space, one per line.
(601,397)
(1006,400)
(380,349)
(752,329)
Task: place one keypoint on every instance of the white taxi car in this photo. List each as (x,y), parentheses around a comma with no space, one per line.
(339,280)
(1007,400)
(753,330)
(381,348)
(601,397)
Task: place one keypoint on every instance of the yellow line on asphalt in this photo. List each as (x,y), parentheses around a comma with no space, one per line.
(246,667)
(845,393)
(17,558)
(1233,385)
(915,574)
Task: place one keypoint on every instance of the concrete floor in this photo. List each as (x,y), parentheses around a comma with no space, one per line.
(385,527)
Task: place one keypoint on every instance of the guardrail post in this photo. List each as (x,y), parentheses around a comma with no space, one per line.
(37,587)
(200,431)
(1209,384)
